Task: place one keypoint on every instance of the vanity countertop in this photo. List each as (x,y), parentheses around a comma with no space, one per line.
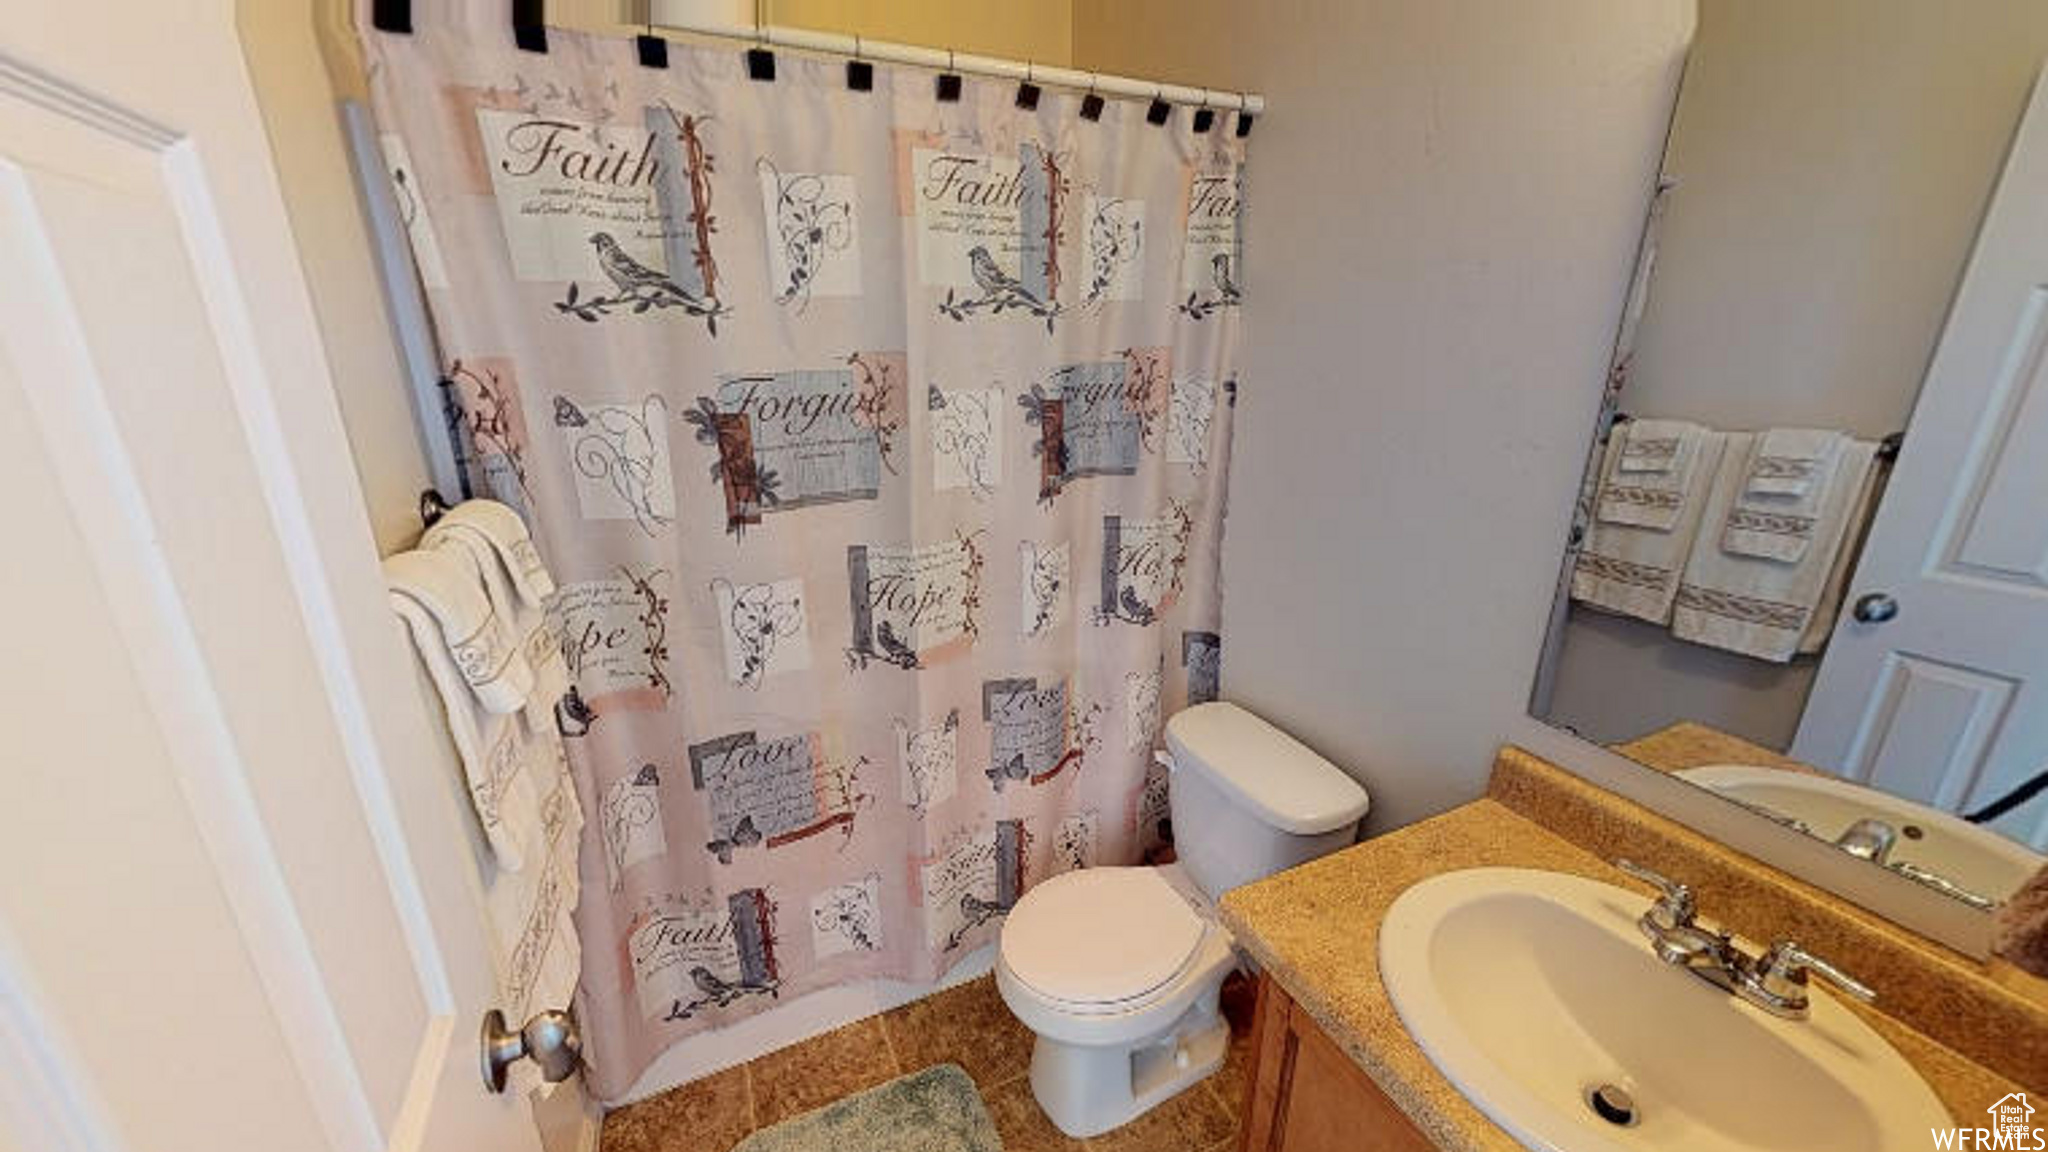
(1688,744)
(1315,930)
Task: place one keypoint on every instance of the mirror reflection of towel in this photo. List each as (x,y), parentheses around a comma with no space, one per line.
(2020,927)
(1767,608)
(1654,473)
(1786,480)
(1631,569)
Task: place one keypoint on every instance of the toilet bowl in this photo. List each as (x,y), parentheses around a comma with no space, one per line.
(1127,1019)
(1117,970)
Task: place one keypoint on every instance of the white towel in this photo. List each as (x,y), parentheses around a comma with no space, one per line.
(1861,503)
(1785,482)
(484,646)
(515,582)
(1633,570)
(1657,465)
(518,780)
(1792,461)
(1651,445)
(1767,608)
(506,532)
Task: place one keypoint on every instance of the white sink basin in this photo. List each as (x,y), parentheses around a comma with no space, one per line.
(1976,858)
(1529,990)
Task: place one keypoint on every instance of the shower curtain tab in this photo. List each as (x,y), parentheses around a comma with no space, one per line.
(676,16)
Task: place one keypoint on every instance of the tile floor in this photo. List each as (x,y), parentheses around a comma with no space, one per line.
(968,1026)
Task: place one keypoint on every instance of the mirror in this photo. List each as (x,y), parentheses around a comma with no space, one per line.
(1808,568)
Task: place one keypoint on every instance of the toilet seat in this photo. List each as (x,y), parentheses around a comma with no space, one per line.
(1101,941)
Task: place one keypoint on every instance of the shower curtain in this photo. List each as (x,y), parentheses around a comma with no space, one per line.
(878,444)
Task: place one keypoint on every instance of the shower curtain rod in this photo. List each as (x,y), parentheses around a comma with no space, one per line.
(675,16)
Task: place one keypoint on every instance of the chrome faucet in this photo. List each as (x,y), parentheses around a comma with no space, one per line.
(1868,839)
(1774,981)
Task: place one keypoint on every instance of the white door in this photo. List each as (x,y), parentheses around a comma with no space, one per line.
(238,912)
(1947,701)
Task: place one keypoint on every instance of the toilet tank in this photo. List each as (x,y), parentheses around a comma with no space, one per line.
(1248,800)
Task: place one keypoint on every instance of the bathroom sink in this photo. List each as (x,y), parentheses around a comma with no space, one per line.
(1536,995)
(1973,858)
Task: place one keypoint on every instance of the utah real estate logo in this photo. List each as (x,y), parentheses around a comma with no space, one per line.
(2012,1130)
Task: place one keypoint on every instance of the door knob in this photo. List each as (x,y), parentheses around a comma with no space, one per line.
(1874,608)
(550,1038)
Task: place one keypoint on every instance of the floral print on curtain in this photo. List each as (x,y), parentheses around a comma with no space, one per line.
(878,445)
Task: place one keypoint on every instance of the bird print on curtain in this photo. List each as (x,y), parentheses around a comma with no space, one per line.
(879,445)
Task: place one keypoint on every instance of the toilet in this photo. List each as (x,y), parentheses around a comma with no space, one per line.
(1117,970)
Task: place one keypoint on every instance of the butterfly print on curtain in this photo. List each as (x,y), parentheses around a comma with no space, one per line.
(967,446)
(630,813)
(772,793)
(620,454)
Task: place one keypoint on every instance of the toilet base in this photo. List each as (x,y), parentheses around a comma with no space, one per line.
(1088,1090)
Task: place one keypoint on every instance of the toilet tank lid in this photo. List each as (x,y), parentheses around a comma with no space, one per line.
(1278,777)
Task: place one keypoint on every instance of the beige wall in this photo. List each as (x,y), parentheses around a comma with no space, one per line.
(1442,212)
(1036,30)
(1833,158)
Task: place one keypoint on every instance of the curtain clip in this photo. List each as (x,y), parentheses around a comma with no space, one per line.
(1091,104)
(530,25)
(860,75)
(652,49)
(1160,109)
(760,61)
(1028,92)
(949,82)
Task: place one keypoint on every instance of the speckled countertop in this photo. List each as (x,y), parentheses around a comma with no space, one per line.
(1687,744)
(1315,930)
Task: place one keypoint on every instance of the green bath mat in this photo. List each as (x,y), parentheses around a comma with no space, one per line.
(936,1110)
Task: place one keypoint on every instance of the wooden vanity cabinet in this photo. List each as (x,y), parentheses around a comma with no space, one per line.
(1308,1096)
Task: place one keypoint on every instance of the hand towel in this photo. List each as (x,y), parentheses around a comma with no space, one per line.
(502,528)
(1765,608)
(487,652)
(1653,494)
(1651,445)
(1780,502)
(1633,570)
(517,773)
(1822,625)
(516,583)
(1792,461)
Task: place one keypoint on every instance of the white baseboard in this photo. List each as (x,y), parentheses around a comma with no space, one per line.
(698,1056)
(568,1119)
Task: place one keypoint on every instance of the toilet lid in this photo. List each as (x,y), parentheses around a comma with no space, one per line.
(1100,935)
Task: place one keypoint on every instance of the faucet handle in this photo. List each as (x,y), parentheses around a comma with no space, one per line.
(1782,971)
(1675,906)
